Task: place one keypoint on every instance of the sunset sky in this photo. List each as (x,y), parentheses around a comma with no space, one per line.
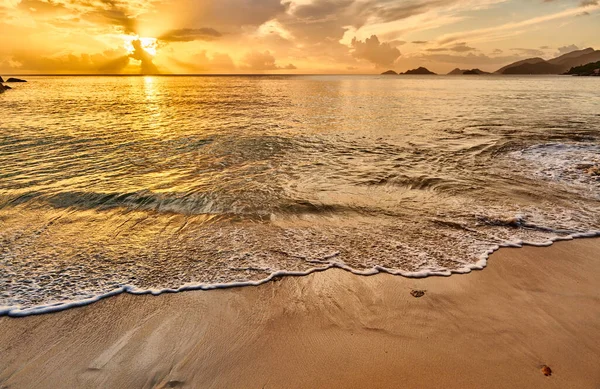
(297,36)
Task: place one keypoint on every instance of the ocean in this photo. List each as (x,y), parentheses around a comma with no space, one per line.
(154,184)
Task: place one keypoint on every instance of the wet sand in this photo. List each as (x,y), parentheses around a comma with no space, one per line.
(494,328)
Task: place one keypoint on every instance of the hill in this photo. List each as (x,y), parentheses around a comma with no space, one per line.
(389,73)
(558,65)
(458,71)
(419,70)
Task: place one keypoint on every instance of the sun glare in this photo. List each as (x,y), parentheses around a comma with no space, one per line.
(148,44)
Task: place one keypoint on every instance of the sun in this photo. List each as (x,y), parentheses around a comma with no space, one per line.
(148,44)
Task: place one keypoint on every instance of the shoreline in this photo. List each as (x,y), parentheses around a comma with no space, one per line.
(496,328)
(481,264)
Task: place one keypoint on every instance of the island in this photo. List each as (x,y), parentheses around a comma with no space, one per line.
(458,71)
(420,70)
(389,73)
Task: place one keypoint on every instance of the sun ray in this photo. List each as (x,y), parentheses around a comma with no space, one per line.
(148,44)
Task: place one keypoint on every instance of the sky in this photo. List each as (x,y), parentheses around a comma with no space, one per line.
(287,36)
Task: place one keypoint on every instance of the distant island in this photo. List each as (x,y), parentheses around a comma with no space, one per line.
(419,70)
(578,62)
(591,69)
(558,65)
(458,71)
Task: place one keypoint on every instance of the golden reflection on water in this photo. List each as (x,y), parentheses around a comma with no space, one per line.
(160,181)
(153,100)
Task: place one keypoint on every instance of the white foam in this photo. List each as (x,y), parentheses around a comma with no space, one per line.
(563,162)
(19,311)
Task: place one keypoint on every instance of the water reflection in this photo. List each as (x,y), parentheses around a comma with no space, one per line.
(158,181)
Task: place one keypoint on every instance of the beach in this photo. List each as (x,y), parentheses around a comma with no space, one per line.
(495,328)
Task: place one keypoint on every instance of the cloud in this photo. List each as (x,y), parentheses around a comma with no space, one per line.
(109,62)
(316,35)
(507,28)
(139,54)
(261,61)
(567,49)
(381,54)
(204,62)
(459,48)
(530,52)
(190,34)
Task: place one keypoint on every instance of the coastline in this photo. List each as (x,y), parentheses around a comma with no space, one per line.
(17,311)
(530,307)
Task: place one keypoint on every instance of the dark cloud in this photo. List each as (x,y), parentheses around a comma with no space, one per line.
(321,9)
(587,3)
(223,15)
(191,34)
(419,42)
(114,16)
(139,54)
(381,54)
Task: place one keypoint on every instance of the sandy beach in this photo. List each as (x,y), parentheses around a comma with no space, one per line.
(494,328)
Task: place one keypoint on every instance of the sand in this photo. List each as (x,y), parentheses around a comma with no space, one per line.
(494,328)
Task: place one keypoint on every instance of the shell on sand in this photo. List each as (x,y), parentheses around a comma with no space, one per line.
(546,370)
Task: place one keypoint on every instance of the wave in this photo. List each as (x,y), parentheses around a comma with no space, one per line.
(18,311)
(190,203)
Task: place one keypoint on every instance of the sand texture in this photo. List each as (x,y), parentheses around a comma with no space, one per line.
(532,310)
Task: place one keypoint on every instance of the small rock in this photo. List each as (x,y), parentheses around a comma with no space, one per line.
(15,80)
(417,293)
(546,370)
(1,80)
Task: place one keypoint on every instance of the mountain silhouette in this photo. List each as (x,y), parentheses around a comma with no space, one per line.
(458,71)
(419,70)
(558,65)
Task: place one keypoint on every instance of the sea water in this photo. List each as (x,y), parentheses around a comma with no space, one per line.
(146,184)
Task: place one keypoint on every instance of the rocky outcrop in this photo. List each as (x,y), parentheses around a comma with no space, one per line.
(1,80)
(15,80)
(590,69)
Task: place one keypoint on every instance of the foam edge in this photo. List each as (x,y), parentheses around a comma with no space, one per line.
(17,311)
